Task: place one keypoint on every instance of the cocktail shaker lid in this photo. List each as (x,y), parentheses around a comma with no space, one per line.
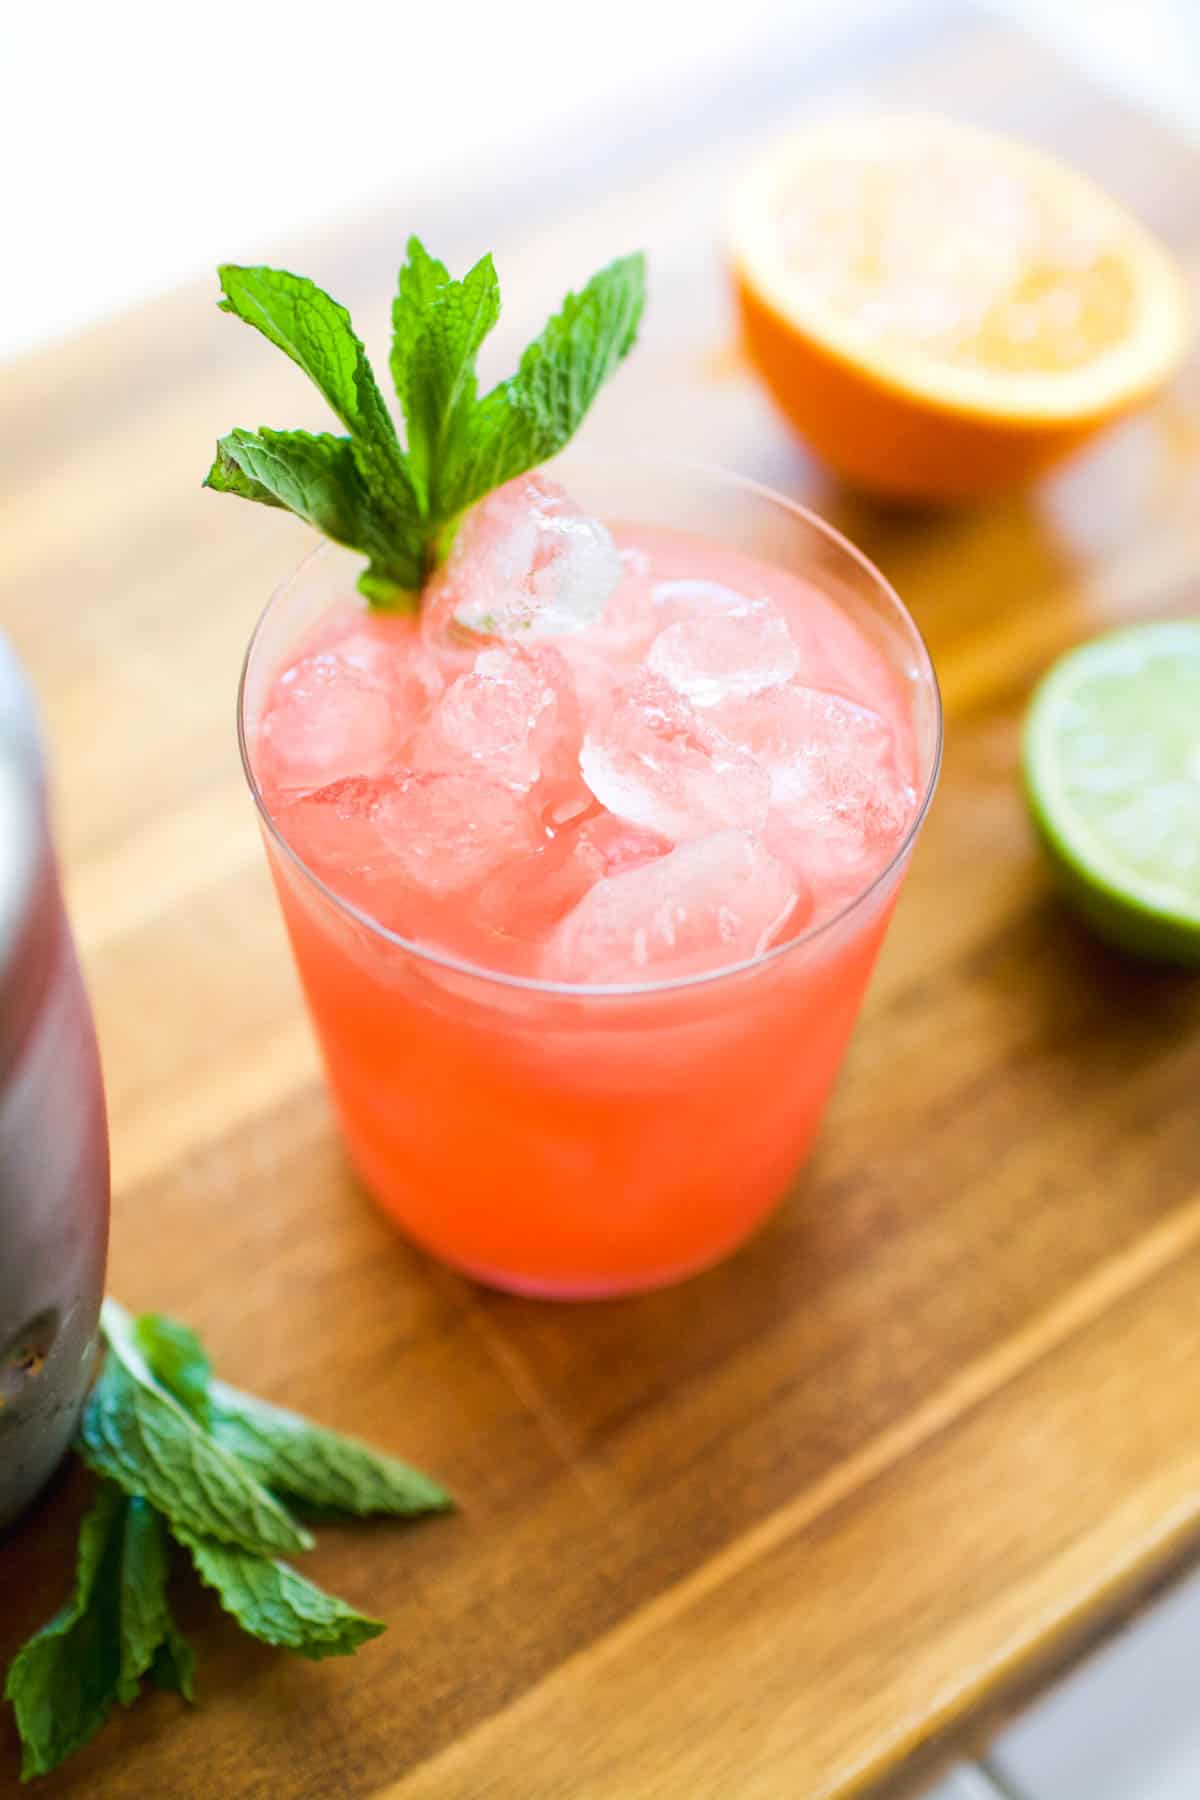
(26,883)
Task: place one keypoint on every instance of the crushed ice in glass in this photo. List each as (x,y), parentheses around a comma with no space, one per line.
(594,760)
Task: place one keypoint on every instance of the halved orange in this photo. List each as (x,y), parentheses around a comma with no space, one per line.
(943,312)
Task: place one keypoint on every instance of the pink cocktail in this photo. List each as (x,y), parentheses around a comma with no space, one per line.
(585,871)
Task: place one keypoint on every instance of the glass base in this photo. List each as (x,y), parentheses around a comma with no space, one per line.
(708,1248)
(577,1288)
(615,1288)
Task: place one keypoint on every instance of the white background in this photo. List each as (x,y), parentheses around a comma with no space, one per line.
(142,140)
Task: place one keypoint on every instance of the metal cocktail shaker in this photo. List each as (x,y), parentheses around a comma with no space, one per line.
(54,1178)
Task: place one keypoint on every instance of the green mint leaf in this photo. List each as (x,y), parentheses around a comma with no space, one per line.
(397,568)
(563,369)
(66,1679)
(174,1665)
(503,442)
(228,477)
(532,415)
(146,1623)
(135,1433)
(317,477)
(63,1682)
(272,1602)
(421,279)
(177,1359)
(316,332)
(314,1467)
(438,328)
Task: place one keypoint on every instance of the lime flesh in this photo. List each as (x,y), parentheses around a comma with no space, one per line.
(1111,759)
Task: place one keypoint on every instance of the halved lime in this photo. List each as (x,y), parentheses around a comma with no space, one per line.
(1111,758)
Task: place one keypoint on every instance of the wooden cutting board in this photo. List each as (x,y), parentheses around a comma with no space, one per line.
(768,1534)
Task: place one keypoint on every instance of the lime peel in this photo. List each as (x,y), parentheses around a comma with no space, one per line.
(1111,765)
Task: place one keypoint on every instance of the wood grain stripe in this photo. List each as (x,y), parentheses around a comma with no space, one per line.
(607,1688)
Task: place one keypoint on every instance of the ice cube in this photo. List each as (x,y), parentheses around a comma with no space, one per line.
(324,721)
(653,761)
(345,709)
(715,901)
(513,716)
(841,799)
(436,832)
(526,897)
(332,829)
(447,832)
(725,656)
(603,656)
(396,662)
(527,563)
(606,845)
(676,600)
(627,625)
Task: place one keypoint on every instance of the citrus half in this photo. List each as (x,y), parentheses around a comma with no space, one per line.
(941,311)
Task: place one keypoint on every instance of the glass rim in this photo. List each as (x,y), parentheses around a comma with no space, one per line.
(534,984)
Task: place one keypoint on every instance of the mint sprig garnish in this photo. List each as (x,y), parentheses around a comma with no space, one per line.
(399,506)
(184,1457)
